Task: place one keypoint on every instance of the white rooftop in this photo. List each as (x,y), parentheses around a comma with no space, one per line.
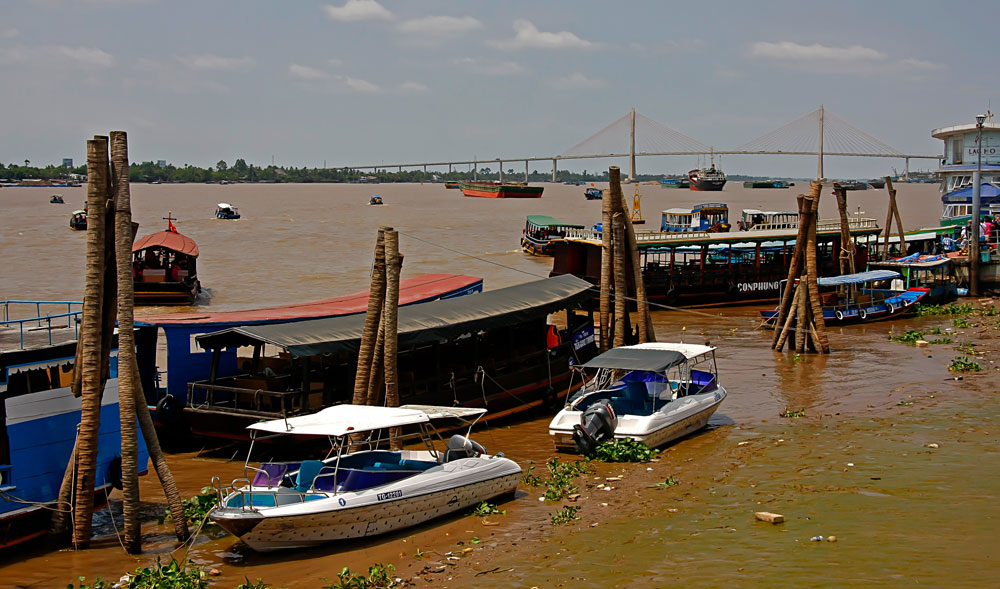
(689,350)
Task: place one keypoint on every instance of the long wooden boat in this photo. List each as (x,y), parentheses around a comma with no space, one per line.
(540,230)
(492,350)
(861,298)
(164,268)
(501,190)
(698,268)
(185,364)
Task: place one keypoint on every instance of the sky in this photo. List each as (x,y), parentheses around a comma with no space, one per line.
(362,82)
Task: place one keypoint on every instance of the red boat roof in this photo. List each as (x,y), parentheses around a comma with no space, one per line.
(170,240)
(426,287)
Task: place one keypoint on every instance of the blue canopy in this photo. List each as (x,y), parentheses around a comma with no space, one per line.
(857,278)
(986,190)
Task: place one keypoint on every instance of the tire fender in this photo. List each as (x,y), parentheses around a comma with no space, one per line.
(839,315)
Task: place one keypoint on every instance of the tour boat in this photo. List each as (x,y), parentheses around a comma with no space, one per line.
(226,211)
(707,179)
(360,489)
(593,193)
(494,350)
(861,297)
(501,190)
(963,155)
(164,268)
(57,199)
(540,230)
(375,200)
(712,217)
(651,393)
(39,415)
(78,220)
(933,272)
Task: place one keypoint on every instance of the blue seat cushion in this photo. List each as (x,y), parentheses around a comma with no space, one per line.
(307,473)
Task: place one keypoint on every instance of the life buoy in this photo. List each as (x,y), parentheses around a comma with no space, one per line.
(862,313)
(838,315)
(115,472)
(168,410)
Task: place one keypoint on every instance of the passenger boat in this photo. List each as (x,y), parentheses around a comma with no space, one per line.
(39,415)
(57,199)
(675,183)
(492,350)
(707,179)
(651,393)
(540,230)
(370,491)
(165,380)
(501,190)
(861,297)
(226,211)
(712,217)
(593,193)
(933,272)
(78,220)
(164,268)
(766,184)
(451,185)
(854,185)
(375,200)
(698,268)
(962,155)
(876,182)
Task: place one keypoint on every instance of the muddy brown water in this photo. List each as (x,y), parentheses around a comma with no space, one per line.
(856,467)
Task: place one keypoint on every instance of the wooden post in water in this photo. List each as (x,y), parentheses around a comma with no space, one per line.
(646,332)
(621,288)
(376,296)
(817,325)
(893,214)
(606,258)
(90,341)
(786,305)
(392,262)
(847,251)
(126,341)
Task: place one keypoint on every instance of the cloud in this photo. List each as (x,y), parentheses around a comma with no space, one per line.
(48,55)
(359,85)
(305,72)
(489,68)
(920,64)
(527,36)
(168,77)
(9,33)
(440,25)
(357,10)
(575,81)
(209,61)
(792,52)
(413,88)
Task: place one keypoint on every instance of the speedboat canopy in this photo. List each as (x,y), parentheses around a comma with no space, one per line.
(341,420)
(650,357)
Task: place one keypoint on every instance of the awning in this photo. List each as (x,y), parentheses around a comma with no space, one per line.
(650,357)
(170,240)
(547,221)
(857,278)
(421,323)
(340,420)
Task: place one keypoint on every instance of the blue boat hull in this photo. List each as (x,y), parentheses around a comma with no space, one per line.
(892,307)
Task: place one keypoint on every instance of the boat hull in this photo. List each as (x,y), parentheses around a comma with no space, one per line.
(893,308)
(707,185)
(166,293)
(491,190)
(362,514)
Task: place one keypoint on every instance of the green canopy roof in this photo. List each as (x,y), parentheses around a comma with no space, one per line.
(547,221)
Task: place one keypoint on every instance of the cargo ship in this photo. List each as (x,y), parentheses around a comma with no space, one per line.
(501,190)
(707,179)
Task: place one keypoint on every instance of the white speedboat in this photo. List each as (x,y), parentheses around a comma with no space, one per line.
(652,393)
(352,494)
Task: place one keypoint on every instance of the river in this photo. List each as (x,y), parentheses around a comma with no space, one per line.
(857,466)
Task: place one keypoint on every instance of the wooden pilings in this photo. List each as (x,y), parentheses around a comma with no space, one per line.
(393,261)
(620,259)
(847,251)
(800,299)
(893,214)
(376,296)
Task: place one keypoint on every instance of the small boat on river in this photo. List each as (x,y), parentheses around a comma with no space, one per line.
(375,200)
(451,185)
(78,220)
(227,211)
(164,268)
(651,393)
(501,190)
(933,272)
(861,297)
(593,193)
(360,489)
(540,230)
(57,199)
(766,184)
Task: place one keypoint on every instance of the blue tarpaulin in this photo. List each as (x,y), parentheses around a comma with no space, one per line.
(857,278)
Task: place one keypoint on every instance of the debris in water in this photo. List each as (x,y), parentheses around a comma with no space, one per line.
(831,539)
(933,445)
(816,539)
(771,518)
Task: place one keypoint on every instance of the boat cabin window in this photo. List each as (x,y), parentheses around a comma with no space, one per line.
(43,378)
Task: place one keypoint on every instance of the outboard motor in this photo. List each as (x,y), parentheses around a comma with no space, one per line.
(462,447)
(597,424)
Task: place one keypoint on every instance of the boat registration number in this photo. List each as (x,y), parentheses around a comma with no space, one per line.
(389,495)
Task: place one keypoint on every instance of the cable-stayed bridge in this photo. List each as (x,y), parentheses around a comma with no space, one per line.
(818,133)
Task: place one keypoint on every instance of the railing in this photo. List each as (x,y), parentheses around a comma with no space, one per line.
(70,315)
(245,401)
(822,226)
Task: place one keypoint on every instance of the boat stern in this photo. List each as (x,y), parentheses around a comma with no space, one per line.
(561,429)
